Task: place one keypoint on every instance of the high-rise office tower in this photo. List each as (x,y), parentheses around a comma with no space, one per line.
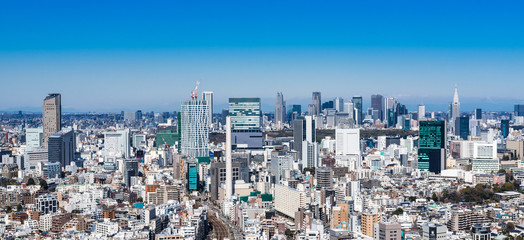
(316,104)
(432,146)
(377,103)
(478,113)
(455,106)
(349,108)
(389,110)
(357,101)
(303,130)
(33,138)
(61,147)
(246,120)
(51,116)
(138,115)
(194,130)
(347,141)
(421,113)
(245,113)
(519,110)
(294,113)
(117,144)
(504,128)
(192,175)
(280,110)
(130,170)
(462,127)
(208,97)
(339,104)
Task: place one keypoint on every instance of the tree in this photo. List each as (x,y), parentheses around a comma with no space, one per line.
(8,209)
(502,170)
(434,197)
(19,207)
(510,227)
(30,182)
(290,234)
(412,199)
(399,211)
(43,184)
(508,187)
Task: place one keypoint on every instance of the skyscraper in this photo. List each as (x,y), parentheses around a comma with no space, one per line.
(357,101)
(130,170)
(194,123)
(33,138)
(246,120)
(462,127)
(432,146)
(377,103)
(519,110)
(339,104)
(478,113)
(504,128)
(117,143)
(421,113)
(51,116)
(303,130)
(316,104)
(455,106)
(245,113)
(280,110)
(61,147)
(208,97)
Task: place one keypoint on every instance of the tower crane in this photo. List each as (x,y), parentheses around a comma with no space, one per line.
(194,93)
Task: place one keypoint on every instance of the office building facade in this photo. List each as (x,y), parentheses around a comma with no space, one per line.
(61,147)
(432,146)
(357,101)
(377,103)
(207,96)
(280,110)
(51,116)
(194,133)
(33,138)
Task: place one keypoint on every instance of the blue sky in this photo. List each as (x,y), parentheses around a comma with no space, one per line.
(129,55)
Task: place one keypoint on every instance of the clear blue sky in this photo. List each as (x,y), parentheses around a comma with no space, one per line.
(129,55)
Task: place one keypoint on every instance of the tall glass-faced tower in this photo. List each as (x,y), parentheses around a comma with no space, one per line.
(245,113)
(246,120)
(194,129)
(432,146)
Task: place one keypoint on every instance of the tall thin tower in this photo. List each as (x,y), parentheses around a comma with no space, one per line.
(208,97)
(280,110)
(229,164)
(51,116)
(317,101)
(455,108)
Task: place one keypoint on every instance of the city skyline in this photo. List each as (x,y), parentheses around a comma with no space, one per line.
(100,63)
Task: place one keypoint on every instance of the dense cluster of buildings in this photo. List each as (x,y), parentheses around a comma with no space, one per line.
(335,171)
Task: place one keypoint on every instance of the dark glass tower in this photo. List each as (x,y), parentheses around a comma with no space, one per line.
(504,128)
(432,146)
(377,103)
(478,113)
(357,101)
(462,127)
(519,110)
